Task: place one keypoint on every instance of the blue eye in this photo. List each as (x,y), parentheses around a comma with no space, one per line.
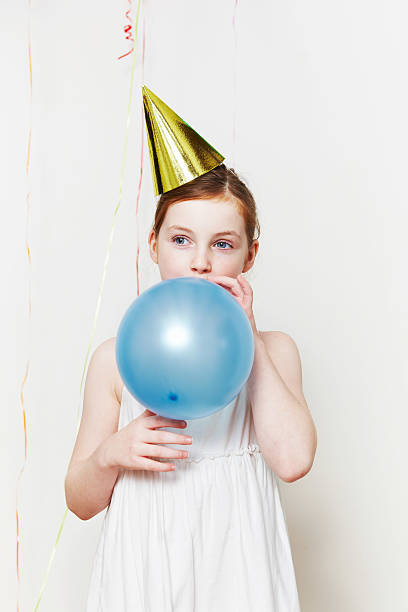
(184,238)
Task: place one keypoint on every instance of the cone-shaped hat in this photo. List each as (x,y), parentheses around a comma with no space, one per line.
(177,153)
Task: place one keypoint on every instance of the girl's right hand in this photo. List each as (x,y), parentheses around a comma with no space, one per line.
(131,446)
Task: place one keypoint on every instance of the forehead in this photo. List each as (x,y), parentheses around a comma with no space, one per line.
(210,215)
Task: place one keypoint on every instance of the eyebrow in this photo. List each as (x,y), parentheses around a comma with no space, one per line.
(186,229)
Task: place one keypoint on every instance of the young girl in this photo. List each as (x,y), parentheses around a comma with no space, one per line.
(202,529)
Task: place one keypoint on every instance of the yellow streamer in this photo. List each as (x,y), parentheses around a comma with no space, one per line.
(27,369)
(101,286)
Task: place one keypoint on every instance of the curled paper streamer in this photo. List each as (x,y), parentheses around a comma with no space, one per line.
(128,29)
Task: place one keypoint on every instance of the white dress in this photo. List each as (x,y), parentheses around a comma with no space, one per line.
(208,537)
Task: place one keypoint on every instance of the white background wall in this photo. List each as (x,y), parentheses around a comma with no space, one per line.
(322,141)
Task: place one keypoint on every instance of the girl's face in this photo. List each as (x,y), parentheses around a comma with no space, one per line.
(208,239)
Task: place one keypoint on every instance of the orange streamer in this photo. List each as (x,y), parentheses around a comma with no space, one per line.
(124,155)
(27,368)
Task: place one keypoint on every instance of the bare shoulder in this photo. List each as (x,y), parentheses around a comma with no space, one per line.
(279,341)
(103,362)
(109,348)
(285,355)
(101,406)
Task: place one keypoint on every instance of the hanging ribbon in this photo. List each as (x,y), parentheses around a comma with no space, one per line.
(234,116)
(124,155)
(141,161)
(27,369)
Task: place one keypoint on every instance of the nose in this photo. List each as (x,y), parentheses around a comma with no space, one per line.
(200,265)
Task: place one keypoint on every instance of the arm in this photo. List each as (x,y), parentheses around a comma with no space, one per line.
(283,424)
(89,485)
(90,480)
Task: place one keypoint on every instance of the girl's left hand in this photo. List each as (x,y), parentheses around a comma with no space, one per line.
(241,290)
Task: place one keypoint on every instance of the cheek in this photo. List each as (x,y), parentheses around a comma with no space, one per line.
(170,258)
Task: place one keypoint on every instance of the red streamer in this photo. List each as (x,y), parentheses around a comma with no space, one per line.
(141,162)
(128,30)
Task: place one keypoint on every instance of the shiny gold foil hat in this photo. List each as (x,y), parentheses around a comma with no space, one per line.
(177,153)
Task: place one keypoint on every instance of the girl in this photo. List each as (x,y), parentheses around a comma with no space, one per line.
(197,530)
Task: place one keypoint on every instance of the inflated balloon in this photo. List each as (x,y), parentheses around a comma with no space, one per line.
(185,348)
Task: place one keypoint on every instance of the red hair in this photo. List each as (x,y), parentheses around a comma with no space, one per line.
(221,182)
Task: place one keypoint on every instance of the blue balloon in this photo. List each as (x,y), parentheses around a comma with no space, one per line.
(185,348)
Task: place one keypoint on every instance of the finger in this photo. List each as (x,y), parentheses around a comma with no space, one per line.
(153,450)
(166,437)
(148,412)
(230,283)
(154,466)
(159,421)
(229,280)
(246,287)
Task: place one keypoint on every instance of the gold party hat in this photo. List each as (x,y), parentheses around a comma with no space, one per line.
(177,153)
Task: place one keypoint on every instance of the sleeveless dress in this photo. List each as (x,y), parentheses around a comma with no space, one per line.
(208,537)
